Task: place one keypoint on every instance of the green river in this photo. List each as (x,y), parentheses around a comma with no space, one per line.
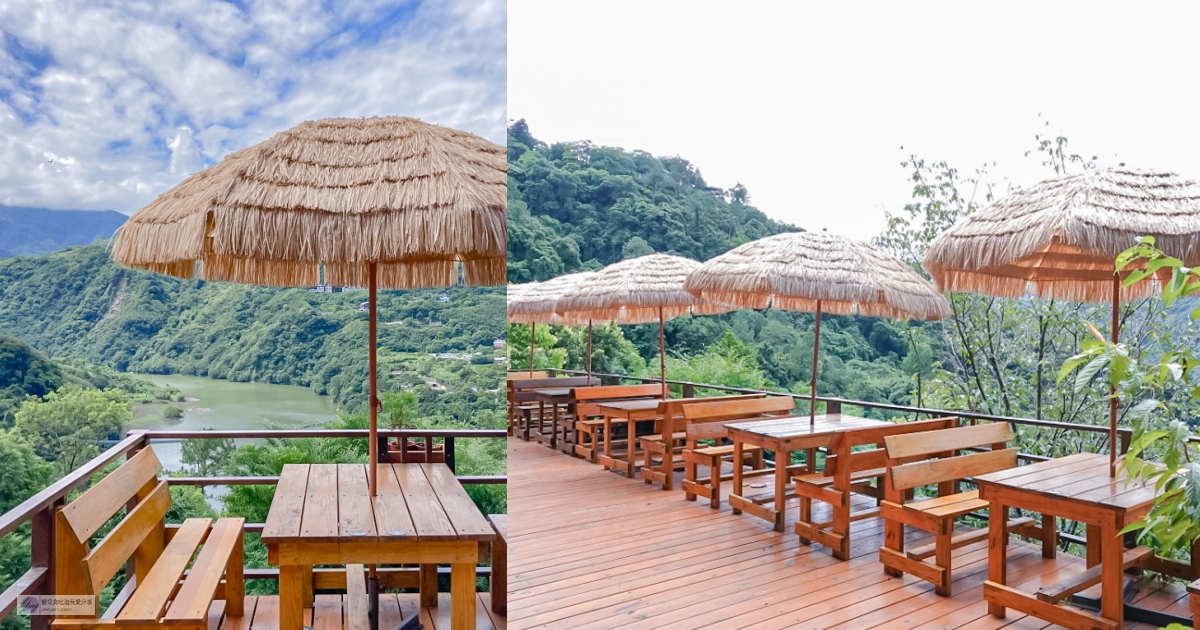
(218,404)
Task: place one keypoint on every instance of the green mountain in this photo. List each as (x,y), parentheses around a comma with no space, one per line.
(575,206)
(36,231)
(78,303)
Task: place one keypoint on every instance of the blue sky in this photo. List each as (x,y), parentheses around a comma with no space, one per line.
(107,104)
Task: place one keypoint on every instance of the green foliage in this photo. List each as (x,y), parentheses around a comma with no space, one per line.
(22,472)
(78,303)
(727,362)
(23,372)
(580,206)
(64,425)
(1161,395)
(545,353)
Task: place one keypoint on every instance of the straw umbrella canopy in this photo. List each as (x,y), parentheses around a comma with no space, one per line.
(533,303)
(637,291)
(817,272)
(1059,239)
(390,203)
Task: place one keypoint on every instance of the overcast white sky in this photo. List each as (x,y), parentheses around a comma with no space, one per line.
(808,104)
(107,103)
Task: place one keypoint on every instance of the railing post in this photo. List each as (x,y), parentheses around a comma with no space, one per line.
(833,406)
(42,555)
(689,390)
(382,449)
(448,445)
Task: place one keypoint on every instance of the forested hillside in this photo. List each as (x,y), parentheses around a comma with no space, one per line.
(36,231)
(78,303)
(577,205)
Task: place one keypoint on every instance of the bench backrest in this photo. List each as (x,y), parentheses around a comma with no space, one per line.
(538,383)
(83,570)
(584,395)
(866,459)
(705,418)
(922,459)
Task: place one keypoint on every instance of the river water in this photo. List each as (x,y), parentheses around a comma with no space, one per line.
(220,404)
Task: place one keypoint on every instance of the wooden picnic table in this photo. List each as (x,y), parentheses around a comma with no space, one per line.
(555,397)
(323,514)
(1076,487)
(629,413)
(783,436)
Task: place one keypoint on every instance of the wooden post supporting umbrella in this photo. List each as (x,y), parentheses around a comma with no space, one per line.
(638,291)
(820,273)
(389,203)
(533,303)
(1059,239)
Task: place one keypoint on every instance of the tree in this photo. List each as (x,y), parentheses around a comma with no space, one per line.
(635,247)
(65,425)
(207,456)
(22,472)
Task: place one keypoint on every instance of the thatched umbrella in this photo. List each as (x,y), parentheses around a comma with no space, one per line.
(533,303)
(390,203)
(637,291)
(817,272)
(1059,239)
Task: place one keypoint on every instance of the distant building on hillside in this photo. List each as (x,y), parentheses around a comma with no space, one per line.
(363,307)
(444,298)
(499,344)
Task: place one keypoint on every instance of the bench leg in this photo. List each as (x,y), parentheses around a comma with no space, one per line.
(429,585)
(498,585)
(893,539)
(805,516)
(1194,599)
(647,462)
(235,580)
(942,554)
(462,596)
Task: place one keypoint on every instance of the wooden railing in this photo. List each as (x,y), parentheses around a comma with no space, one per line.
(39,510)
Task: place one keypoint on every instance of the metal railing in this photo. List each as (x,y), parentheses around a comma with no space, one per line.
(39,510)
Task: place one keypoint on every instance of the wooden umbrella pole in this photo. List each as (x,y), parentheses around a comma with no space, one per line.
(1113,403)
(662,354)
(532,334)
(589,357)
(373,442)
(812,407)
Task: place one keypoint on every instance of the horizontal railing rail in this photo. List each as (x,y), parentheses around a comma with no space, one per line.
(39,509)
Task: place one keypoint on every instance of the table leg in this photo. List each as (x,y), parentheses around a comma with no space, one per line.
(1049,536)
(1112,603)
(841,512)
(554,428)
(462,596)
(541,420)
(291,597)
(737,471)
(1093,545)
(997,551)
(429,585)
(782,459)
(608,438)
(307,581)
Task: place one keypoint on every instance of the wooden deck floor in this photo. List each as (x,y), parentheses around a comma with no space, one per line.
(262,613)
(592,549)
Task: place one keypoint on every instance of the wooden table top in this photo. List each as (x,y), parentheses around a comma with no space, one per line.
(799,426)
(552,392)
(1081,478)
(641,404)
(331,503)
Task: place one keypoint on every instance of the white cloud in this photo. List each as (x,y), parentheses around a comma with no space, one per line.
(138,95)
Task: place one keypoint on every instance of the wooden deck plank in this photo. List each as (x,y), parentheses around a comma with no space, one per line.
(262,613)
(590,549)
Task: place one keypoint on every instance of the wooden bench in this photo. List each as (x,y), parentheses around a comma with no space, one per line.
(515,409)
(524,406)
(662,452)
(498,584)
(930,458)
(706,421)
(588,427)
(837,482)
(158,565)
